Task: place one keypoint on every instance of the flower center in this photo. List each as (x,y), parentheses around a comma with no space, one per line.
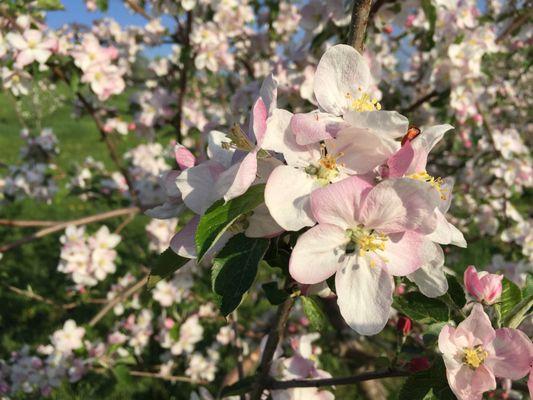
(327,168)
(364,102)
(364,240)
(474,357)
(436,183)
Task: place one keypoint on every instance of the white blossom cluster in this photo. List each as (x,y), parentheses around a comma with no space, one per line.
(88,259)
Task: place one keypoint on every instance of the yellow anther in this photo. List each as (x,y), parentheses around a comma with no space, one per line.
(435,183)
(474,357)
(363,102)
(365,240)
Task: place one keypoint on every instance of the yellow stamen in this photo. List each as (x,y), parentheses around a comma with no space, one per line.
(436,183)
(365,240)
(364,102)
(474,357)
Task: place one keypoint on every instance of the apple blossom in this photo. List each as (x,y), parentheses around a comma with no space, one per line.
(366,234)
(30,46)
(482,286)
(474,354)
(69,338)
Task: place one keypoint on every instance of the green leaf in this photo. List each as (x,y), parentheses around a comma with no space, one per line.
(431,334)
(314,313)
(274,295)
(456,291)
(421,308)
(122,374)
(518,313)
(238,388)
(511,296)
(50,5)
(430,384)
(219,217)
(235,268)
(166,264)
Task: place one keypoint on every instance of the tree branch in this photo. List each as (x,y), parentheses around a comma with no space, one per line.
(26,223)
(346,380)
(421,101)
(105,137)
(118,299)
(360,13)
(274,337)
(62,225)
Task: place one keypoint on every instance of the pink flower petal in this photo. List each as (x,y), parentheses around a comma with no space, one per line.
(339,203)
(287,196)
(468,384)
(183,243)
(364,295)
(400,161)
(478,325)
(314,126)
(341,71)
(236,180)
(406,252)
(513,354)
(318,254)
(184,157)
(259,117)
(398,205)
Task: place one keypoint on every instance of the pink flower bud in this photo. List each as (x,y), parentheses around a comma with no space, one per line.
(404,325)
(184,157)
(169,323)
(482,286)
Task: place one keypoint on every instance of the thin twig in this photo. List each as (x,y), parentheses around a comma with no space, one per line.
(62,225)
(33,296)
(104,136)
(26,223)
(360,13)
(118,299)
(137,8)
(346,380)
(274,337)
(171,378)
(156,375)
(517,23)
(417,103)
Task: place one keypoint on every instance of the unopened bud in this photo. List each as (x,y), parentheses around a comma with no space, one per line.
(404,325)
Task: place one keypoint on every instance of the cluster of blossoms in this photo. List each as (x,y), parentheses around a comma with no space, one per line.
(25,374)
(88,259)
(96,63)
(90,179)
(369,207)
(379,213)
(33,176)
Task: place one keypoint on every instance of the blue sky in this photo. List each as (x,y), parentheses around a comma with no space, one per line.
(75,11)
